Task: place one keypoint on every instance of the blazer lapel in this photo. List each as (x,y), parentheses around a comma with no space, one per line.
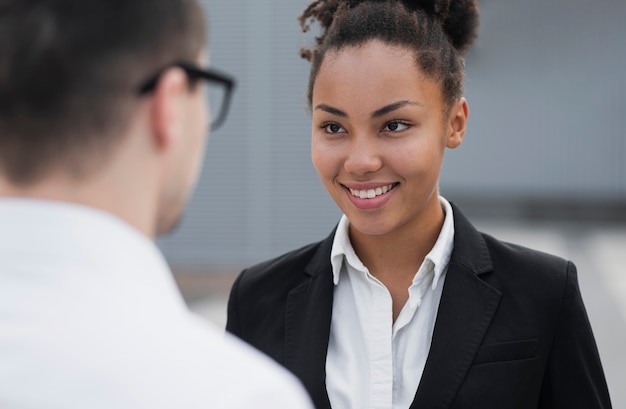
(465,312)
(308,318)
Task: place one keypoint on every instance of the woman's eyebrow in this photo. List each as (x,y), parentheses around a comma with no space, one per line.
(331,110)
(392,107)
(378,113)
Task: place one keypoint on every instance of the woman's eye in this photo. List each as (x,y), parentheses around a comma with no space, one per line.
(395,126)
(332,128)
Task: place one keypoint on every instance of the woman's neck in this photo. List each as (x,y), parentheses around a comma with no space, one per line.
(397,256)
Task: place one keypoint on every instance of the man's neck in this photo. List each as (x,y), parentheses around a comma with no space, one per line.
(118,198)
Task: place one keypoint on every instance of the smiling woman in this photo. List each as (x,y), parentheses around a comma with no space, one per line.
(389,134)
(405,304)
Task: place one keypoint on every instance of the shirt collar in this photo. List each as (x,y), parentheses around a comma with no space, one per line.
(342,250)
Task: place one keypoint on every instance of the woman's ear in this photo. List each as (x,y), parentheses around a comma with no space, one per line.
(167,110)
(457,123)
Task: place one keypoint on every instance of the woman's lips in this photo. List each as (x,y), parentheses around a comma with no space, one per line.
(370,197)
(371,193)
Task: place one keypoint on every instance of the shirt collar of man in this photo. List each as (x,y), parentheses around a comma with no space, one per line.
(342,250)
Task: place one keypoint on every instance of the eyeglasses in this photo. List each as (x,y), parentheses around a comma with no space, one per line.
(219,90)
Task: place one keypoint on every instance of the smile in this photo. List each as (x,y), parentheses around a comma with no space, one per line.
(372,193)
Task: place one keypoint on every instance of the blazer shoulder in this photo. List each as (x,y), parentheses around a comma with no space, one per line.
(260,294)
(520,264)
(284,269)
(482,253)
(503,250)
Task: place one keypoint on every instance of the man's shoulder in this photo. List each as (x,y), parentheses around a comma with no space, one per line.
(243,377)
(180,361)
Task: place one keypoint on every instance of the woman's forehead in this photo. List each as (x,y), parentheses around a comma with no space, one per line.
(373,71)
(374,49)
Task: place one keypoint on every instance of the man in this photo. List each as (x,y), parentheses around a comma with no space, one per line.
(102,125)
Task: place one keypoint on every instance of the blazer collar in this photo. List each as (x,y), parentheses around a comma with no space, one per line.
(320,262)
(470,250)
(466,309)
(307,328)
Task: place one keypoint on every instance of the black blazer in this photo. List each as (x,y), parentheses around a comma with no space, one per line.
(511,331)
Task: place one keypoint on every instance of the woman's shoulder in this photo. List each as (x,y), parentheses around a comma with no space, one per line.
(288,268)
(516,254)
(519,266)
(481,252)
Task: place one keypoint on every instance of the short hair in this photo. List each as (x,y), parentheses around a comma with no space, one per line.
(439,31)
(70,71)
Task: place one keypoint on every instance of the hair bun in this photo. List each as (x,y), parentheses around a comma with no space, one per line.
(458,17)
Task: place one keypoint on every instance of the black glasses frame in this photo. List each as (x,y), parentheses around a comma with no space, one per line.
(194,72)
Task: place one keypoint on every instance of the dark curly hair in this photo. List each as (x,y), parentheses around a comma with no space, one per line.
(440,32)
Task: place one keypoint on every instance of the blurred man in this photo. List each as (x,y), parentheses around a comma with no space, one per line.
(103,120)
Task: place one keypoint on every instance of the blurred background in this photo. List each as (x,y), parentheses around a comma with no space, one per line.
(543,163)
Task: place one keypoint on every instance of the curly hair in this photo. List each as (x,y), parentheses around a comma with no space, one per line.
(439,31)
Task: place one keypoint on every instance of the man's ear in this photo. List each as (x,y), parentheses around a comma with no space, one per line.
(457,123)
(167,108)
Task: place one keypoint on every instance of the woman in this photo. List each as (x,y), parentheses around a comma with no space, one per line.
(405,304)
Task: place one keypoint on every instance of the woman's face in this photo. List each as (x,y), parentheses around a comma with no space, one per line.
(379,133)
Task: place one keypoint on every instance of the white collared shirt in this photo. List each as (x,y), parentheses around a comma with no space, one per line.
(372,362)
(90,317)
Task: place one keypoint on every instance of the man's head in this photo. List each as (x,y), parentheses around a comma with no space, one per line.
(69,70)
(70,79)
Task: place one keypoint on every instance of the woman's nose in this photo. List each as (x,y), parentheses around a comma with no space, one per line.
(363,156)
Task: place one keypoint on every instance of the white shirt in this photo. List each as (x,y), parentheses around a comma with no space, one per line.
(90,317)
(373,362)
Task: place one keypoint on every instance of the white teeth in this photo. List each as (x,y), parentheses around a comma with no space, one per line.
(371,193)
